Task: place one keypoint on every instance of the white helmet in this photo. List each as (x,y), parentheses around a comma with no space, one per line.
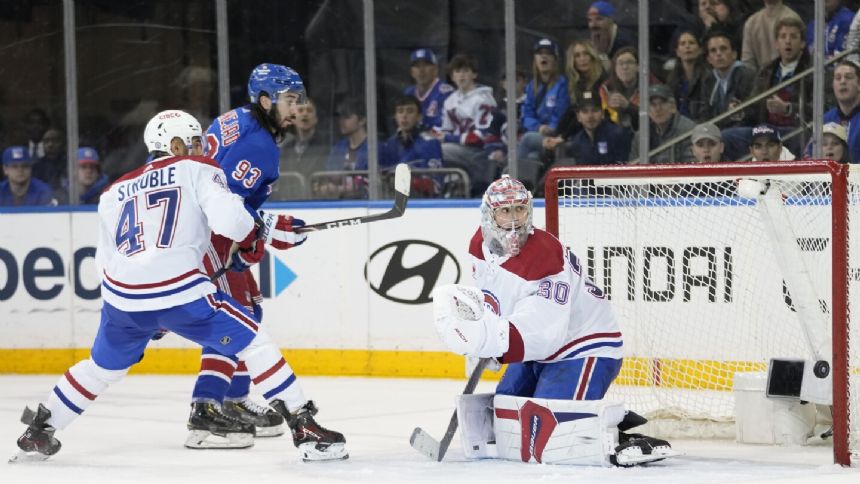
(505,192)
(170,124)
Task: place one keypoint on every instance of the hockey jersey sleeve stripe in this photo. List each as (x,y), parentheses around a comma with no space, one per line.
(615,337)
(516,347)
(151,285)
(152,295)
(77,386)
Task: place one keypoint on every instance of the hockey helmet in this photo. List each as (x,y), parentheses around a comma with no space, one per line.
(505,192)
(274,79)
(170,124)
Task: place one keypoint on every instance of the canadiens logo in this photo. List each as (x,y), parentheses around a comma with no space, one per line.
(491,302)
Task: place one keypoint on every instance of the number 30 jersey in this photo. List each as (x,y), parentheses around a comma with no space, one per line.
(248,154)
(554,311)
(154,225)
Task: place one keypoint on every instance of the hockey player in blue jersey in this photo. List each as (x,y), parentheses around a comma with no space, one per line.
(244,143)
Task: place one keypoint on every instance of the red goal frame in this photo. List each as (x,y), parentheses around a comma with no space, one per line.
(839,236)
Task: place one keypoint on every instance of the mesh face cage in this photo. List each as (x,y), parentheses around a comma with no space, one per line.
(710,281)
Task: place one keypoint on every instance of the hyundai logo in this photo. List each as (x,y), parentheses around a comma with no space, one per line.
(406,271)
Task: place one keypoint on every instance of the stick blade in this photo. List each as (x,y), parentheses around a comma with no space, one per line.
(402,179)
(424,443)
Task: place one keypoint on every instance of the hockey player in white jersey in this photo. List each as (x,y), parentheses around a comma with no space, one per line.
(154,225)
(534,309)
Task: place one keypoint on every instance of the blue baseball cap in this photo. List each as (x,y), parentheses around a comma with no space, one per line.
(17,154)
(546,44)
(87,156)
(425,55)
(604,9)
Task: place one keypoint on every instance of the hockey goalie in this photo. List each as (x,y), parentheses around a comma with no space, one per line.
(534,310)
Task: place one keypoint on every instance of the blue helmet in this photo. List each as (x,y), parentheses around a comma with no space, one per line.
(273,79)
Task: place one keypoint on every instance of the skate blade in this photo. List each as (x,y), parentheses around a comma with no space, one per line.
(274,431)
(333,452)
(22,457)
(636,458)
(203,439)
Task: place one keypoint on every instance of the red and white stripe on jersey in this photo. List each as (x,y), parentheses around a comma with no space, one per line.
(150,290)
(588,344)
(584,378)
(233,312)
(218,366)
(241,369)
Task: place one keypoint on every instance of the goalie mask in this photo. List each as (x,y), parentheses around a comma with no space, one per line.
(166,125)
(506,216)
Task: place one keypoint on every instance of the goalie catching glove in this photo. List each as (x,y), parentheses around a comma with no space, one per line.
(280,230)
(464,325)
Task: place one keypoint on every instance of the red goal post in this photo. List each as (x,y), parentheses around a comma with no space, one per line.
(686,346)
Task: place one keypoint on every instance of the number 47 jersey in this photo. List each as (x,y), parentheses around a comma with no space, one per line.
(154,225)
(554,311)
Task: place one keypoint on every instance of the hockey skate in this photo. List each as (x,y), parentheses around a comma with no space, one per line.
(315,442)
(635,449)
(38,442)
(267,422)
(210,428)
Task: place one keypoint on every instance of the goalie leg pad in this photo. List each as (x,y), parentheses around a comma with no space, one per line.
(556,431)
(475,416)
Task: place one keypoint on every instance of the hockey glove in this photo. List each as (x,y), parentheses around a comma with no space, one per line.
(280,230)
(464,325)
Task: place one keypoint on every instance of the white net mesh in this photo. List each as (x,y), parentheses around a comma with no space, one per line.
(707,283)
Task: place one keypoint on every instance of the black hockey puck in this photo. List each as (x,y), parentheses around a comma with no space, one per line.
(821,369)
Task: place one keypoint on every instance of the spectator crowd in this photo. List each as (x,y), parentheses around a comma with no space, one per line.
(576,105)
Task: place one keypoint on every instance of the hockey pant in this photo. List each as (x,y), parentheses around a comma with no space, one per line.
(215,320)
(230,378)
(585,378)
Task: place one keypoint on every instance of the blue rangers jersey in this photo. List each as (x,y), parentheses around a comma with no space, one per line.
(247,153)
(432,102)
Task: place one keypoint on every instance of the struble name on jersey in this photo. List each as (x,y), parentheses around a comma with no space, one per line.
(150,179)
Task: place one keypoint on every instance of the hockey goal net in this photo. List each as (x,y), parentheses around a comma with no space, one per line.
(710,280)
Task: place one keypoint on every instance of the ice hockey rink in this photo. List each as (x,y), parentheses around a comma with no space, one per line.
(134,433)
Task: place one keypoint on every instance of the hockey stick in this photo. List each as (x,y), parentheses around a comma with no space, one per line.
(402,183)
(427,445)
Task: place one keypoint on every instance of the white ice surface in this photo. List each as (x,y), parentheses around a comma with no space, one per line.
(134,433)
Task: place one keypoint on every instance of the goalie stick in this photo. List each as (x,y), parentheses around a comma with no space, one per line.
(427,445)
(402,183)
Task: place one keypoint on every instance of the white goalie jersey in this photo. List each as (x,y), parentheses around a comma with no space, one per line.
(154,226)
(555,312)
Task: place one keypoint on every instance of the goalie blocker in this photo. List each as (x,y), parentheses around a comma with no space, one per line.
(553,432)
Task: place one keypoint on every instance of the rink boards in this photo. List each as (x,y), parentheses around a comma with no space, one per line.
(351,301)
